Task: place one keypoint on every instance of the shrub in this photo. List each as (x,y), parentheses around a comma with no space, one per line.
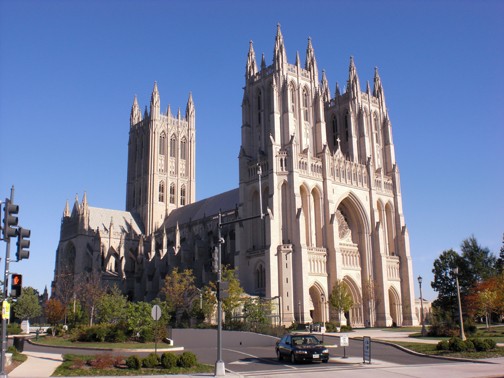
(102,361)
(169,360)
(457,344)
(491,343)
(443,345)
(346,328)
(187,360)
(151,361)
(133,362)
(13,329)
(469,345)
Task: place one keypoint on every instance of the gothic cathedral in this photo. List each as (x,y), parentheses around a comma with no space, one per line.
(330,192)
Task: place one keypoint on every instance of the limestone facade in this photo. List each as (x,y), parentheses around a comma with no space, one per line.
(330,192)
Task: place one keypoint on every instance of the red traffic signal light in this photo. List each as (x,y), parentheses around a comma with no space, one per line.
(17,285)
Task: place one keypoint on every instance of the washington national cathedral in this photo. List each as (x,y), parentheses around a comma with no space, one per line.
(330,191)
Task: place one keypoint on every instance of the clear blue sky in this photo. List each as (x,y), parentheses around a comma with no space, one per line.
(69,71)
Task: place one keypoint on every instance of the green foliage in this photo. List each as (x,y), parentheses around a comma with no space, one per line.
(257,313)
(456,344)
(27,305)
(133,362)
(235,292)
(340,298)
(13,329)
(99,333)
(443,345)
(187,360)
(169,360)
(151,361)
(112,307)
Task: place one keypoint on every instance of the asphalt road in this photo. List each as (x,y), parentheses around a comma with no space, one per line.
(245,352)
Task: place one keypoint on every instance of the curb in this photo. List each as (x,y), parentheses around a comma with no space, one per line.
(175,349)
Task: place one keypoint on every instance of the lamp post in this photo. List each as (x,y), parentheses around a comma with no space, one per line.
(462,335)
(422,319)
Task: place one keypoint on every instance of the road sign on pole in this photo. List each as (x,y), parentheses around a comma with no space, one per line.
(156,315)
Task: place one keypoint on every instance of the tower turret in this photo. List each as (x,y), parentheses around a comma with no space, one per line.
(154,103)
(251,68)
(378,88)
(311,62)
(136,114)
(353,85)
(279,55)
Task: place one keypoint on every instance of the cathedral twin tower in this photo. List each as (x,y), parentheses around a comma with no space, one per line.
(330,187)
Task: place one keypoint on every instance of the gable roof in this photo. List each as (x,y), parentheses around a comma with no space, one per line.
(198,210)
(122,220)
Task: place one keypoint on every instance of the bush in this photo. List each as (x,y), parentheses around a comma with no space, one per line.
(443,345)
(103,361)
(491,343)
(187,360)
(13,329)
(346,328)
(133,362)
(169,360)
(456,344)
(151,361)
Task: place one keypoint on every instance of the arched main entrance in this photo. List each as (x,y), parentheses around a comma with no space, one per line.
(318,299)
(395,307)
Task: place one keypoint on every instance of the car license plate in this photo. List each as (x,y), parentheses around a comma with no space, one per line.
(316,356)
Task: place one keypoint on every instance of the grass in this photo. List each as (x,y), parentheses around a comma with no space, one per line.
(74,365)
(430,349)
(62,342)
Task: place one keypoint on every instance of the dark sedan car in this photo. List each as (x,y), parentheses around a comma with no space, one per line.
(301,348)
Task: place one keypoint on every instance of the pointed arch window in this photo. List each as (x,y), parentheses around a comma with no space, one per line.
(335,131)
(162,144)
(161,191)
(259,107)
(347,125)
(182,195)
(172,193)
(376,129)
(293,101)
(260,277)
(183,148)
(173,146)
(305,104)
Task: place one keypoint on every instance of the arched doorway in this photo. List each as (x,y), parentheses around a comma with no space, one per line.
(355,316)
(395,307)
(317,296)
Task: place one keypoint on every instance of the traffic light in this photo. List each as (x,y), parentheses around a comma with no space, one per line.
(215,259)
(16,286)
(23,244)
(10,220)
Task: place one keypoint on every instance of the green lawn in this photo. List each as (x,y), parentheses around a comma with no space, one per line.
(74,366)
(431,350)
(60,341)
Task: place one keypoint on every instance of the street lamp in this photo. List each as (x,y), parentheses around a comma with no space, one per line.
(422,319)
(455,273)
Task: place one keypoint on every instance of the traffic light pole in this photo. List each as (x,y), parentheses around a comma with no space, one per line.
(3,374)
(220,368)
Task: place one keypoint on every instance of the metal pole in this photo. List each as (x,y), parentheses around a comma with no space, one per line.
(220,368)
(462,334)
(3,374)
(422,319)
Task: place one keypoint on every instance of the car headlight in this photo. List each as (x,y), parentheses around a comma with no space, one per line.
(325,351)
(301,352)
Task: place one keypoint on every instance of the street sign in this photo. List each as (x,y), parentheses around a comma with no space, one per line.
(5,310)
(344,339)
(156,312)
(366,351)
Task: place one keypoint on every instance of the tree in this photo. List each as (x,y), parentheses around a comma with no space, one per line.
(112,307)
(479,263)
(444,280)
(179,292)
(54,312)
(340,298)
(499,265)
(209,302)
(27,305)
(235,292)
(89,292)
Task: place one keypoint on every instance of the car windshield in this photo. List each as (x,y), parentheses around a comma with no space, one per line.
(305,340)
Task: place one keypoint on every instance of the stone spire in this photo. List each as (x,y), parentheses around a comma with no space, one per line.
(190,107)
(66,212)
(136,114)
(311,62)
(353,85)
(279,55)
(154,103)
(251,68)
(326,93)
(378,88)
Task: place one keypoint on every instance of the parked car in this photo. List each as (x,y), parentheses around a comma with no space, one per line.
(301,347)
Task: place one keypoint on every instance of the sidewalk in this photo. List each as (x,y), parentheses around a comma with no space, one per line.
(38,365)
